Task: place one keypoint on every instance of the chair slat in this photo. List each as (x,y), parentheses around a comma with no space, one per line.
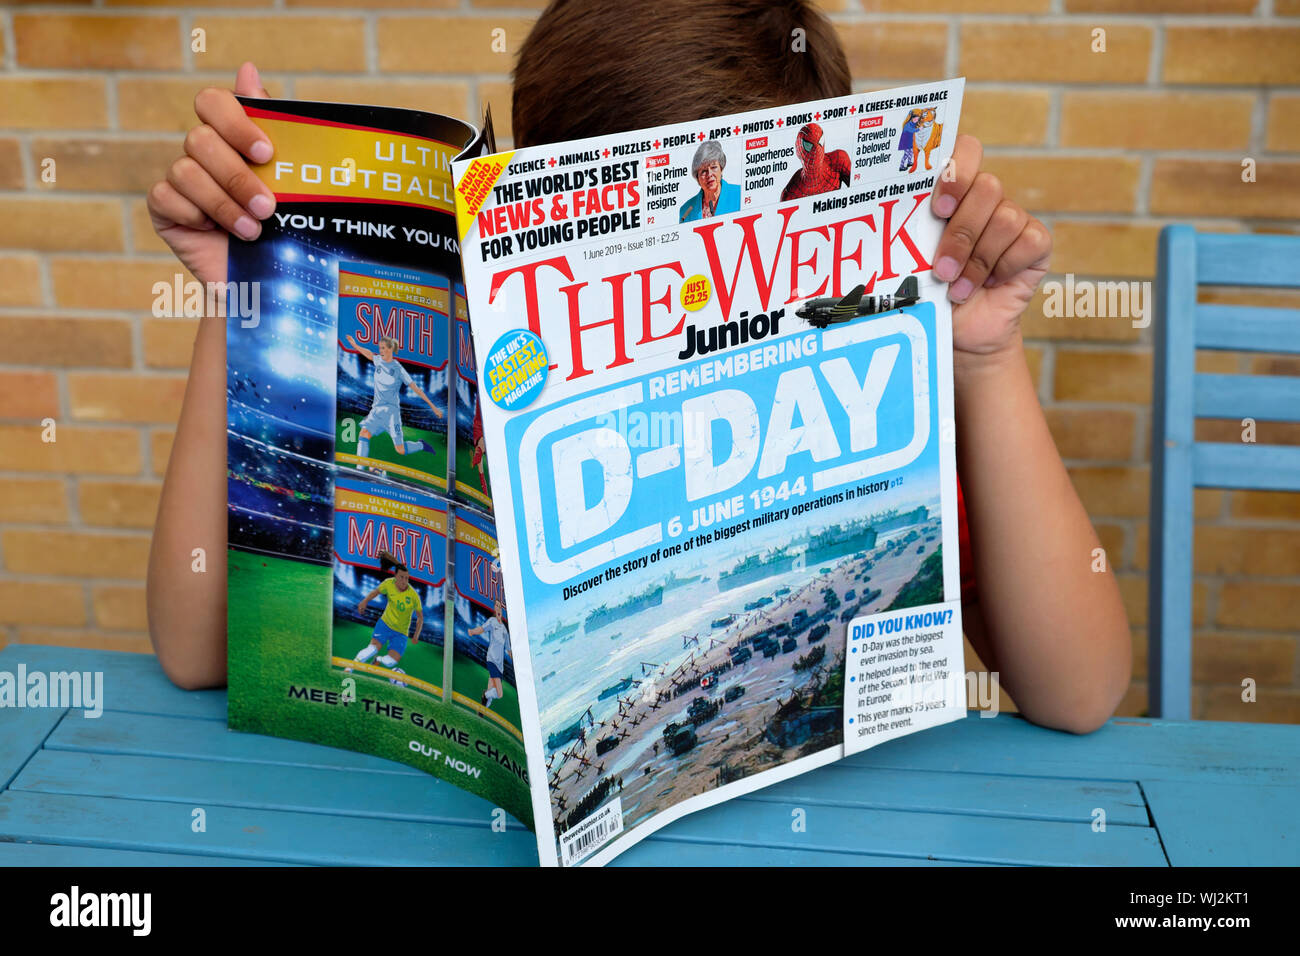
(1248,260)
(1265,398)
(1241,328)
(1172,437)
(1254,467)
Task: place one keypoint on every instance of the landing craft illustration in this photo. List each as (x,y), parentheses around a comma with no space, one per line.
(821,313)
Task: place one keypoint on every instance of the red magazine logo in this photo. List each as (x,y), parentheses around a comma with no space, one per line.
(653,162)
(870,122)
(756,143)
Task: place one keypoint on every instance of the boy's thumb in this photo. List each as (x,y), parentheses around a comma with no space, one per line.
(249,83)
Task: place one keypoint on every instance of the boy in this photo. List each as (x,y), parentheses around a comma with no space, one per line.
(1053,630)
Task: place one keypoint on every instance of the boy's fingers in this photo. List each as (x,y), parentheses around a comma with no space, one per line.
(168,207)
(1001,230)
(249,83)
(229,170)
(193,182)
(957,176)
(1032,248)
(220,110)
(964,229)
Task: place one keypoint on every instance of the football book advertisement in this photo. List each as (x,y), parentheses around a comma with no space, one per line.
(341,458)
(715,383)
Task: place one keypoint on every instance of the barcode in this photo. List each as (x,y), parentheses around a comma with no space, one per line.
(592,832)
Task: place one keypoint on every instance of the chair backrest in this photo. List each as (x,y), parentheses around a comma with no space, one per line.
(1179,463)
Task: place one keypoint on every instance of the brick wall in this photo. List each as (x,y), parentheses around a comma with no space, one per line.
(1105,146)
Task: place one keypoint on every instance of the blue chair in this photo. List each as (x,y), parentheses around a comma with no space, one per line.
(1179,463)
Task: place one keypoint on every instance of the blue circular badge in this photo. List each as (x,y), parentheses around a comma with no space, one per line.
(515,370)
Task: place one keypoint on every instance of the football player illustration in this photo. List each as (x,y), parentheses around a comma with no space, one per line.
(394,625)
(385,413)
(498,640)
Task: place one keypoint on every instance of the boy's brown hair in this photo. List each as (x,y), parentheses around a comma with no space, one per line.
(594,67)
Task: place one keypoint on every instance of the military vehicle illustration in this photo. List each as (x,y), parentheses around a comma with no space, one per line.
(755,568)
(638,602)
(679,738)
(826,311)
(615,689)
(703,709)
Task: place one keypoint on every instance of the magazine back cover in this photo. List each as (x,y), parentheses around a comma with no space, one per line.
(339,451)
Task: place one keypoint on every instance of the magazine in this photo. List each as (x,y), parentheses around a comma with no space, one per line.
(716,383)
(717,543)
(347,624)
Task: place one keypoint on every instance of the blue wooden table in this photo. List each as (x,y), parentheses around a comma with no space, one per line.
(124,788)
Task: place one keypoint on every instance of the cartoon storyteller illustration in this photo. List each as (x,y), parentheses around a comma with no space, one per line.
(498,643)
(820,313)
(907,140)
(394,624)
(822,171)
(926,138)
(716,196)
(385,413)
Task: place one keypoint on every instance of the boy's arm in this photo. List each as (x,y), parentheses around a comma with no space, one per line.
(1053,629)
(205,192)
(187,608)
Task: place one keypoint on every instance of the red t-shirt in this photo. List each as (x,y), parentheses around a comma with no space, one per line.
(963,549)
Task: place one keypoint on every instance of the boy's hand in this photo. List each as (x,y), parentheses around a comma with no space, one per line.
(992,251)
(211,190)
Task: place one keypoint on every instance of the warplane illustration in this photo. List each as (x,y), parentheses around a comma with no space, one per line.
(823,312)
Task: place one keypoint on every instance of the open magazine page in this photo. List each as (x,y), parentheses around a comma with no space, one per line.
(717,394)
(340,452)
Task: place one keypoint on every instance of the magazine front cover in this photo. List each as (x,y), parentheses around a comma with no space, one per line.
(340,450)
(716,388)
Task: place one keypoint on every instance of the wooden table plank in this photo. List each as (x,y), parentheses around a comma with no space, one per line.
(155,736)
(1028,798)
(1226,824)
(48,854)
(21,732)
(944,836)
(312,838)
(975,792)
(1122,750)
(132,682)
(416,798)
